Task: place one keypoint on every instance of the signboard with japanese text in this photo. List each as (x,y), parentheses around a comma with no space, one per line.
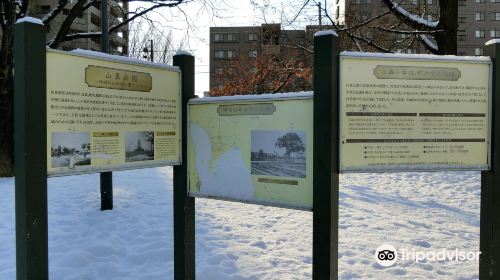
(250,149)
(108,113)
(414,113)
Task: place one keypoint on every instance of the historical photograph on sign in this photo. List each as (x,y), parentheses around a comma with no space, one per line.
(139,145)
(278,153)
(70,149)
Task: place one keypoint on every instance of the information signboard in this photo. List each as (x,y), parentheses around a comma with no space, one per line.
(251,149)
(109,113)
(401,113)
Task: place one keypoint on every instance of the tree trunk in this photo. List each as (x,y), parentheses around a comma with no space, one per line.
(7,93)
(448,23)
(6,115)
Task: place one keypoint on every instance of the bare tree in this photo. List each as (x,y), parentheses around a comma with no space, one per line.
(148,37)
(12,10)
(398,25)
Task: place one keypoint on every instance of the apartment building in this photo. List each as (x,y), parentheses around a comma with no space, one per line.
(88,21)
(479,21)
(232,47)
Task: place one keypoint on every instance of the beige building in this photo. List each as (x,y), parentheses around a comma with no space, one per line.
(89,21)
(479,21)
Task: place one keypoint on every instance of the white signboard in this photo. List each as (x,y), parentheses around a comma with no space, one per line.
(409,112)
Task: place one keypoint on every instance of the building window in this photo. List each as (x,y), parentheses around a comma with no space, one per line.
(231,54)
(120,34)
(231,71)
(252,53)
(232,37)
(218,37)
(219,71)
(461,35)
(479,33)
(119,49)
(479,15)
(480,1)
(429,2)
(495,16)
(253,69)
(219,54)
(495,1)
(414,2)
(462,2)
(495,33)
(478,51)
(252,37)
(462,19)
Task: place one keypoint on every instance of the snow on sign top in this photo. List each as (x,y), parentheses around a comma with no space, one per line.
(416,56)
(325,32)
(237,98)
(183,53)
(492,41)
(121,58)
(30,19)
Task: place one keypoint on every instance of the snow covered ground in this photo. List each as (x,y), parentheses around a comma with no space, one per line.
(422,211)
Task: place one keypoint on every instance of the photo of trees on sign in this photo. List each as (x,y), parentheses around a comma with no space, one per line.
(70,149)
(278,153)
(139,146)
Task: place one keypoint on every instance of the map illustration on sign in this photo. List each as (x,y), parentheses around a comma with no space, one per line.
(251,149)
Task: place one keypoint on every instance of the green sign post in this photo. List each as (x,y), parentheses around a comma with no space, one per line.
(184,205)
(489,243)
(326,161)
(30,138)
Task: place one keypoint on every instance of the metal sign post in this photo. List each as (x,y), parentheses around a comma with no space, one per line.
(30,138)
(106,177)
(489,261)
(326,163)
(184,205)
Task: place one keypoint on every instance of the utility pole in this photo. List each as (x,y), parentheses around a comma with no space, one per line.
(319,14)
(152,53)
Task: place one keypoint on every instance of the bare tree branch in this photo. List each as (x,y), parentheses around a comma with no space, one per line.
(63,30)
(53,14)
(116,27)
(369,42)
(429,45)
(410,19)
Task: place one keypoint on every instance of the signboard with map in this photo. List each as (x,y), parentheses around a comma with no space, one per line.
(404,112)
(109,113)
(250,149)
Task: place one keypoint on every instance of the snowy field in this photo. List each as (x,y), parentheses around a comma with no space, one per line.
(422,211)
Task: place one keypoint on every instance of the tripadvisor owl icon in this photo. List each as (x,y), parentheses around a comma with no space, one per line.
(386,255)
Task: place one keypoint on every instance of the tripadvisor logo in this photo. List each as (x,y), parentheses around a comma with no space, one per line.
(387,255)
